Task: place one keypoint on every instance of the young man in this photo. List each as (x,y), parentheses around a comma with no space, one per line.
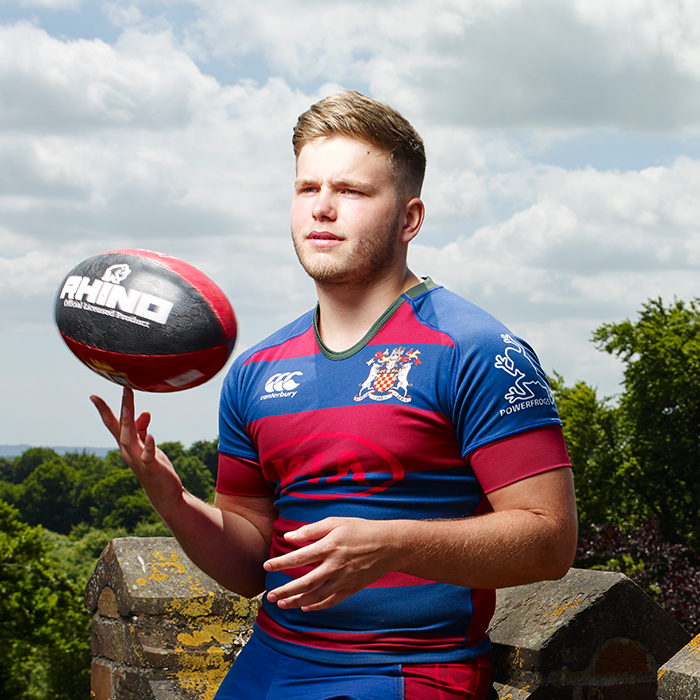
(386,461)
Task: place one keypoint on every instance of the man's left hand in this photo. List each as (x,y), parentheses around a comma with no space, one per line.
(347,554)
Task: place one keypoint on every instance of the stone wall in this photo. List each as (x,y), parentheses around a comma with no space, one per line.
(592,635)
(163,630)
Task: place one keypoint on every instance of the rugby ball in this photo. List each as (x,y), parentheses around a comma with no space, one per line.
(145,320)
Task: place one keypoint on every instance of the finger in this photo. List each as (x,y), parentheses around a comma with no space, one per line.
(329,602)
(304,584)
(108,418)
(323,596)
(303,556)
(128,426)
(293,596)
(311,531)
(142,423)
(149,449)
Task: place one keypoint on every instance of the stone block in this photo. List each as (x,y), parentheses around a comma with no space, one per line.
(160,624)
(109,638)
(679,678)
(593,634)
(100,681)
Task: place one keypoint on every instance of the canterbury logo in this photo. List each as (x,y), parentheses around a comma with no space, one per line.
(283,381)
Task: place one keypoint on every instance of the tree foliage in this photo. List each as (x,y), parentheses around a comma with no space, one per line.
(44,629)
(47,496)
(659,413)
(597,451)
(79,489)
(66,509)
(636,459)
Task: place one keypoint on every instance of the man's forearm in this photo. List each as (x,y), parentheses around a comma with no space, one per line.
(496,550)
(224,545)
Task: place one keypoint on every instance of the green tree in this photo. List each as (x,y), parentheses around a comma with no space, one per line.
(7,469)
(174,450)
(44,628)
(90,469)
(77,553)
(29,460)
(120,502)
(208,452)
(9,492)
(47,497)
(603,471)
(659,412)
(195,475)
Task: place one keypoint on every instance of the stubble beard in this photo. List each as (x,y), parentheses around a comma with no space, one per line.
(371,256)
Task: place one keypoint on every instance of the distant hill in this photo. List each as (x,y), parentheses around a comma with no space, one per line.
(9,451)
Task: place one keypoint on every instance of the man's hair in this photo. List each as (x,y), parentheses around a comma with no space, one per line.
(352,114)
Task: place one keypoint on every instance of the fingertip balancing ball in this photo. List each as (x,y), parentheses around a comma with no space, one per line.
(145,320)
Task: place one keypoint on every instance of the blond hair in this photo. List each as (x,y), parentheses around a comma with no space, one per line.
(352,114)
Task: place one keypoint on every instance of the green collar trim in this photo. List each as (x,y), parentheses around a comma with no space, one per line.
(425,285)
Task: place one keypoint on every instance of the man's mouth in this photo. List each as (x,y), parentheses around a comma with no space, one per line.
(323,238)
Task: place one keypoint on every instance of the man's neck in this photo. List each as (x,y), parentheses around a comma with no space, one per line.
(347,312)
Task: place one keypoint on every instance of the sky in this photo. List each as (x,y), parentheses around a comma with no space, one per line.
(562,192)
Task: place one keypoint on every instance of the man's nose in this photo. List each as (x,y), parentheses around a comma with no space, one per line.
(324,206)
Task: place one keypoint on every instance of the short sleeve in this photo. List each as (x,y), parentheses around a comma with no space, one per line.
(233,436)
(515,458)
(239,470)
(240,477)
(499,389)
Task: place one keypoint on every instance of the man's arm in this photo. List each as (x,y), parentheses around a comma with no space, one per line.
(229,541)
(530,536)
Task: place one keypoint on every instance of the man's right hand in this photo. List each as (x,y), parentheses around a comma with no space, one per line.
(151,466)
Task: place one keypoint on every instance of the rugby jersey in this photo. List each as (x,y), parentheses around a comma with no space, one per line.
(384,430)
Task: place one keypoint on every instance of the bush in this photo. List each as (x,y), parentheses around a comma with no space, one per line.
(669,573)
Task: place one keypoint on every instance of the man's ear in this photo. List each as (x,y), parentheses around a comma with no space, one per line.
(414,213)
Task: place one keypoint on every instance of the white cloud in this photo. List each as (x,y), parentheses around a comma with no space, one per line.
(515,63)
(672,28)
(131,144)
(52,85)
(589,248)
(77,159)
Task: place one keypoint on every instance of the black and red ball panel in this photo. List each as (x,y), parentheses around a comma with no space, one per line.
(146,320)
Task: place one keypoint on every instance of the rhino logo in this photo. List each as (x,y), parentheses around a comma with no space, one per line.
(116,274)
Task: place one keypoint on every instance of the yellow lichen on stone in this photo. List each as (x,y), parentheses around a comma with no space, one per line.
(557,610)
(159,566)
(514,658)
(209,633)
(202,675)
(510,696)
(660,673)
(193,607)
(594,694)
(694,644)
(196,586)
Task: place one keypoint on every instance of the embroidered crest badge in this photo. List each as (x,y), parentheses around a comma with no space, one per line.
(388,375)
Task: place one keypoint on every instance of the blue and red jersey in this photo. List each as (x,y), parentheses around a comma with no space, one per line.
(438,405)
